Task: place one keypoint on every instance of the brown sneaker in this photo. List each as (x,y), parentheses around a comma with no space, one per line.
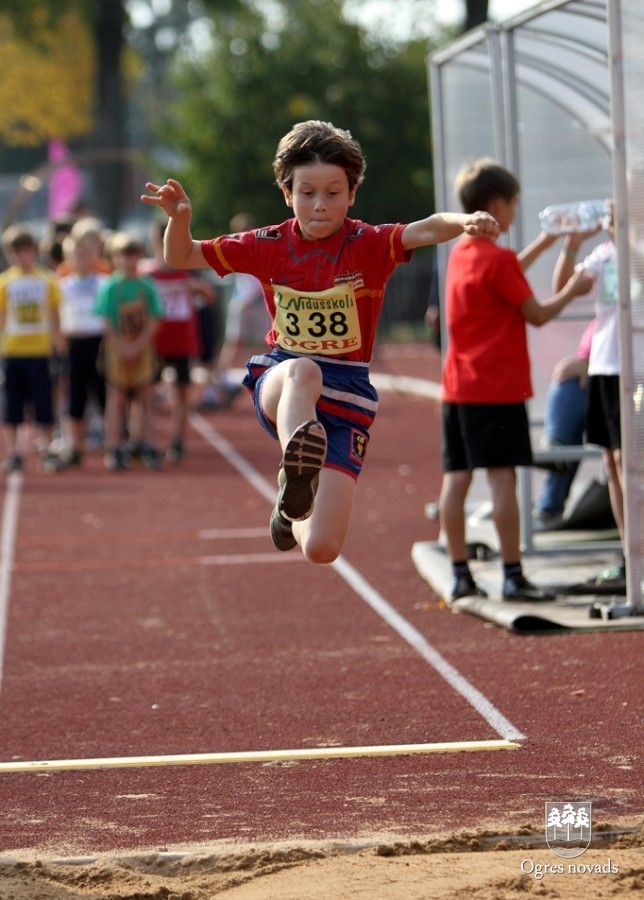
(303,458)
(281,532)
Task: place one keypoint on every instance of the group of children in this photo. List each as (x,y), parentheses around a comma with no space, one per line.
(99,323)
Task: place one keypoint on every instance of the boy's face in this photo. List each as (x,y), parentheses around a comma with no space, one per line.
(25,257)
(84,256)
(128,262)
(320,198)
(504,211)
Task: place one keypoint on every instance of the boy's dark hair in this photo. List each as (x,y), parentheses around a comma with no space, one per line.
(316,141)
(125,243)
(19,237)
(483,181)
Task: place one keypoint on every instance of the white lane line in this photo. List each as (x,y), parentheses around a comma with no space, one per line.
(219,534)
(8,529)
(236,460)
(243,559)
(156,563)
(376,601)
(422,646)
(419,387)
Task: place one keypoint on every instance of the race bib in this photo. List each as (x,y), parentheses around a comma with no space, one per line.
(176,302)
(318,322)
(27,315)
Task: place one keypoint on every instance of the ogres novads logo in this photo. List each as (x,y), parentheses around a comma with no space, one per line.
(568,827)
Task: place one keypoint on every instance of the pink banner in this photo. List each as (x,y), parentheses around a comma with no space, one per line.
(66,182)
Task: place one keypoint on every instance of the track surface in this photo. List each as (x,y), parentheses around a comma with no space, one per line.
(149,614)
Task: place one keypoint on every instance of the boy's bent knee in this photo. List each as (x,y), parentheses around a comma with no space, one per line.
(321,551)
(304,371)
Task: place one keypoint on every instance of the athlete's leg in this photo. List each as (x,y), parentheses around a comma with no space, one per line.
(322,535)
(612,460)
(451,506)
(289,393)
(114,412)
(288,398)
(505,511)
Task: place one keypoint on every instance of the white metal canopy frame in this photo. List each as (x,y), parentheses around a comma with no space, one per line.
(627,37)
(552,94)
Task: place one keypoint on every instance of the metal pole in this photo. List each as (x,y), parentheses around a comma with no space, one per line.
(625,325)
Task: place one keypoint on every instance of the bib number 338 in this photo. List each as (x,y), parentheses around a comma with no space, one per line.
(318,322)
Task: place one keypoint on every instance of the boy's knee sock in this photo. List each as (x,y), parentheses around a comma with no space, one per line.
(512,570)
(461,567)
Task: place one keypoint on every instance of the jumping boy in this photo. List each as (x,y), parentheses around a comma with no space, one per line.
(323,276)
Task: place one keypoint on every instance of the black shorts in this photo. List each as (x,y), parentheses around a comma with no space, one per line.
(485,436)
(84,377)
(27,380)
(603,426)
(180,364)
(211,332)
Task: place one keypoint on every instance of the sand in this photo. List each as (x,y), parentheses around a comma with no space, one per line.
(478,865)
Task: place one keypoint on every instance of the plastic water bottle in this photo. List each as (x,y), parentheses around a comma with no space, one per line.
(564,218)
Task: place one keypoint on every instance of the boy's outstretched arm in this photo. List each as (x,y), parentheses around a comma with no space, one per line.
(445,226)
(535,248)
(179,248)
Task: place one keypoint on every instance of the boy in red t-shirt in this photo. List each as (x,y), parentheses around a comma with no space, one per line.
(177,337)
(486,377)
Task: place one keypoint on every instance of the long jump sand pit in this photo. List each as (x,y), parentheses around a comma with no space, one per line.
(477,864)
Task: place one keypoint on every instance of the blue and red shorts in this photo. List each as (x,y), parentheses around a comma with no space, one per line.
(346,408)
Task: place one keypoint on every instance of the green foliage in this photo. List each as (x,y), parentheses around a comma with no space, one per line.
(41,94)
(263,76)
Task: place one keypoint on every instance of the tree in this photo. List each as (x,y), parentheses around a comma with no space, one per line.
(109,130)
(90,101)
(41,94)
(475,13)
(334,81)
(109,19)
(93,103)
(568,818)
(554,820)
(261,77)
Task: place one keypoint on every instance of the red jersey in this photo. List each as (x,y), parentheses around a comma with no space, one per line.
(487,357)
(177,334)
(323,297)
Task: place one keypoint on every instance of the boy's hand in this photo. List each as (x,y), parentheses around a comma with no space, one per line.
(171,197)
(547,240)
(482,224)
(580,282)
(575,239)
(569,367)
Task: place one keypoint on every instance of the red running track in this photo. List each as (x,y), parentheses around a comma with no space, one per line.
(148,614)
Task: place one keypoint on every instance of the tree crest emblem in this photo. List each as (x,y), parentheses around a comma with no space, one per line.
(568,827)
